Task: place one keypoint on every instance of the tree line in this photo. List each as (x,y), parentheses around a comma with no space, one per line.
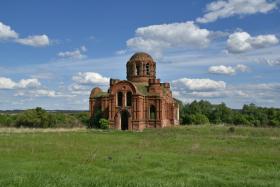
(40,118)
(197,112)
(203,112)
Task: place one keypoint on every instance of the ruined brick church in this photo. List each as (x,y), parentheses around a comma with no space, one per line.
(139,102)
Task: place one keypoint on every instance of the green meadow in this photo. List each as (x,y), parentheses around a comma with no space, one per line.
(185,156)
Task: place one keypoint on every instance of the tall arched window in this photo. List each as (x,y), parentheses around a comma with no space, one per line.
(128,98)
(148,69)
(120,95)
(137,69)
(152,112)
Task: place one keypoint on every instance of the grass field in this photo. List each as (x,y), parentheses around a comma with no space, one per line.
(185,156)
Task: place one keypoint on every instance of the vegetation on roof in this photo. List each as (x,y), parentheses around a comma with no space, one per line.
(101,94)
(142,88)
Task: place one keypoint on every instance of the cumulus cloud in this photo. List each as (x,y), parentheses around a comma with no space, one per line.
(6,32)
(227,70)
(90,78)
(227,8)
(77,54)
(236,95)
(155,38)
(198,84)
(35,41)
(28,83)
(240,42)
(188,90)
(83,83)
(7,83)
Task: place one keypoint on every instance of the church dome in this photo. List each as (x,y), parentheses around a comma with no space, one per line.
(141,67)
(141,56)
(94,92)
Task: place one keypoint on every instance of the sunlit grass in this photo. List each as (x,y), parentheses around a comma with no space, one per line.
(185,156)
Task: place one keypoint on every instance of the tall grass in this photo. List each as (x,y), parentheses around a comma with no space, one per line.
(185,156)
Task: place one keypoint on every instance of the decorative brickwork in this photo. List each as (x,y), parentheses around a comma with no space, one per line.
(139,102)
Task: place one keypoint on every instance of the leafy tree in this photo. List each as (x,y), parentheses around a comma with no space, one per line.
(199,119)
(35,118)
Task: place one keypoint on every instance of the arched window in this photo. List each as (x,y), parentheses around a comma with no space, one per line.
(148,69)
(152,112)
(138,69)
(128,98)
(120,95)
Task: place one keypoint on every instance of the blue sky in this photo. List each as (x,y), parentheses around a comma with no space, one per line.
(52,53)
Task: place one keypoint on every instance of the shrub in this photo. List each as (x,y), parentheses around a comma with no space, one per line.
(186,119)
(239,119)
(35,118)
(199,119)
(104,123)
(274,123)
(94,121)
(83,117)
(7,120)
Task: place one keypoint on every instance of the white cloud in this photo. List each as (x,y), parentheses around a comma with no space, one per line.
(227,8)
(227,70)
(236,95)
(155,38)
(188,90)
(89,78)
(77,54)
(198,84)
(240,42)
(36,93)
(6,32)
(83,83)
(35,41)
(42,92)
(29,83)
(242,68)
(7,83)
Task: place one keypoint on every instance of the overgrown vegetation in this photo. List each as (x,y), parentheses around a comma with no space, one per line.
(201,155)
(197,112)
(40,118)
(202,112)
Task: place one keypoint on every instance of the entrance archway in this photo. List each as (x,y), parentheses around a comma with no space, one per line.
(124,120)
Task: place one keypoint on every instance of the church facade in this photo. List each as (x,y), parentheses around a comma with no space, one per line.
(139,102)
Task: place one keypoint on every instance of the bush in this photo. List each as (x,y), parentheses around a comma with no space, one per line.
(199,119)
(7,120)
(83,117)
(35,118)
(104,123)
(40,118)
(274,123)
(239,119)
(186,119)
(94,121)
